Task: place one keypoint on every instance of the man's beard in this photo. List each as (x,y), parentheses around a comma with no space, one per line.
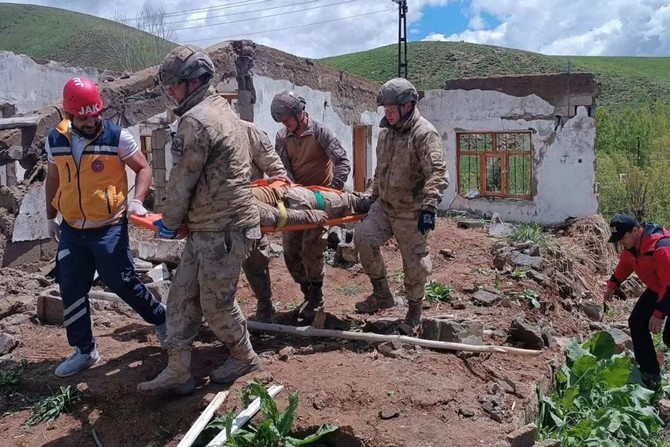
(89,132)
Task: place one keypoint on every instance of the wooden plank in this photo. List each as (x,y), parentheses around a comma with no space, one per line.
(243,417)
(202,421)
(19,121)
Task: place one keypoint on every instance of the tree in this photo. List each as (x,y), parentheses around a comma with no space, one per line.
(135,51)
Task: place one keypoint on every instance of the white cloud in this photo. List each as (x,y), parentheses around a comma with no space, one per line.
(584,27)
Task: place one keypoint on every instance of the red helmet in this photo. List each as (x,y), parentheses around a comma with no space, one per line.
(81,97)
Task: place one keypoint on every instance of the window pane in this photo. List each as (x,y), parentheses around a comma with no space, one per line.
(475,142)
(519,175)
(493,174)
(469,172)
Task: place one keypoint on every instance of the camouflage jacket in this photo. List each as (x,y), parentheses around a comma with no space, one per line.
(411,172)
(328,142)
(209,187)
(264,158)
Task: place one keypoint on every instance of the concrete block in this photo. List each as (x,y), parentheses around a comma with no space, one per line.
(30,224)
(50,307)
(28,252)
(452,330)
(523,437)
(160,250)
(347,252)
(160,289)
(159,273)
(7,343)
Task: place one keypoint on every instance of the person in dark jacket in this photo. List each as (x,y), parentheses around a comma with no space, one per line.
(646,251)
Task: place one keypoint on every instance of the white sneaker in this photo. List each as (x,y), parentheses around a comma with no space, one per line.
(162,334)
(78,362)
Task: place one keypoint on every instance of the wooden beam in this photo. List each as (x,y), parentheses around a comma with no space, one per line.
(309,331)
(19,121)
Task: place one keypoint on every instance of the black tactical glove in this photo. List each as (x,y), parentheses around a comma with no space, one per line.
(426,221)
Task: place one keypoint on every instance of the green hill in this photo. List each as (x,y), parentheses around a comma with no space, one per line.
(77,39)
(625,80)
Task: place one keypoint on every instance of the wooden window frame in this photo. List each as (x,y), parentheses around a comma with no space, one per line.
(494,152)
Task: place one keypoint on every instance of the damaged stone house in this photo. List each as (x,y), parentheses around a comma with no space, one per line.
(522,146)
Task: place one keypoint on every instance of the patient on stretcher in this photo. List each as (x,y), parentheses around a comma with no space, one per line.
(281,204)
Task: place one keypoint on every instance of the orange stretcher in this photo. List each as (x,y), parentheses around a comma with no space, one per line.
(148,222)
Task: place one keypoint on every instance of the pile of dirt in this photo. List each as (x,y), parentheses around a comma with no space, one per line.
(436,398)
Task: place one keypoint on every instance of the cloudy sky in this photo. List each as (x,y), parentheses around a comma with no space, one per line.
(319,28)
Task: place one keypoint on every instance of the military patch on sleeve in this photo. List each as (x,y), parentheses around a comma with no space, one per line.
(177,145)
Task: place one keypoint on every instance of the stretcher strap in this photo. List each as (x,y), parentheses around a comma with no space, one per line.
(320,204)
(283,215)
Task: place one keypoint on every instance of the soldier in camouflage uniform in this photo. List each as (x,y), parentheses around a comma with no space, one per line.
(409,180)
(312,155)
(210,192)
(264,160)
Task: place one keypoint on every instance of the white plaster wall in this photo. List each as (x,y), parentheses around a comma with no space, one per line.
(320,107)
(563,161)
(30,86)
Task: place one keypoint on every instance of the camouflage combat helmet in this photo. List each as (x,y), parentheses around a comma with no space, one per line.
(397,91)
(286,104)
(183,64)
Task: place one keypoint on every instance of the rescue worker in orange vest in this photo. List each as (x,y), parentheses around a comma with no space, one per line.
(312,155)
(87,184)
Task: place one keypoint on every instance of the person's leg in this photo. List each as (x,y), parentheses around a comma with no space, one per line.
(222,254)
(369,235)
(314,243)
(75,272)
(114,262)
(416,265)
(643,344)
(184,317)
(292,245)
(256,268)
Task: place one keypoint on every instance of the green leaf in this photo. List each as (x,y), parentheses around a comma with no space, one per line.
(285,420)
(601,345)
(321,432)
(616,375)
(583,368)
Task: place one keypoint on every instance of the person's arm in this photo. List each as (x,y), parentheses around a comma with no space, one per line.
(280,147)
(139,164)
(336,153)
(264,155)
(662,264)
(431,156)
(193,145)
(51,186)
(622,271)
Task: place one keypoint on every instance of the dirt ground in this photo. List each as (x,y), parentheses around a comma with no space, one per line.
(436,396)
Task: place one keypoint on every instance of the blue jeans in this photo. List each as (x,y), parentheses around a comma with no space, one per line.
(107,250)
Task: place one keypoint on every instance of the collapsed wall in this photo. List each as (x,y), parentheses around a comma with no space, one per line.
(135,98)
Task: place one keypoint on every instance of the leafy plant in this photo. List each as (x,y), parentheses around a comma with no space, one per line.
(529,232)
(12,377)
(398,275)
(49,408)
(436,291)
(274,431)
(329,257)
(598,400)
(519,274)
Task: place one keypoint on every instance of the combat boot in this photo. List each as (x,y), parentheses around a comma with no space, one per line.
(314,301)
(264,310)
(175,379)
(381,298)
(413,316)
(232,369)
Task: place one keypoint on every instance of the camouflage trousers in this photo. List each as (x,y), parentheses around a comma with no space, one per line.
(205,284)
(303,254)
(257,269)
(375,230)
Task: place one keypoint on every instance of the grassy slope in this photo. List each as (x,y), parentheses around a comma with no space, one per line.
(72,38)
(626,80)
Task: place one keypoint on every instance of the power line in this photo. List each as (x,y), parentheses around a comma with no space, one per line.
(222,38)
(228,14)
(197,10)
(267,16)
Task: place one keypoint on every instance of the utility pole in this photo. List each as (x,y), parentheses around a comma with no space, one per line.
(402,38)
